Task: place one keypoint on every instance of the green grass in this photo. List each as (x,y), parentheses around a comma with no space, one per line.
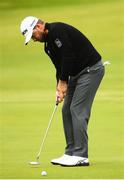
(15,4)
(27,91)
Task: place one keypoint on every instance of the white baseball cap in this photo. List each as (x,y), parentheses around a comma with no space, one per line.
(27,26)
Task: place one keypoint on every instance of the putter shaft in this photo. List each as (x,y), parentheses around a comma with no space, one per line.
(45,135)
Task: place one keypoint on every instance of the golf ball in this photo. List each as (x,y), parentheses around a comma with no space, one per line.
(43,173)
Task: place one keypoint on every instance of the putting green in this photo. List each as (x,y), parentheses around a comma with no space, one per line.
(27,91)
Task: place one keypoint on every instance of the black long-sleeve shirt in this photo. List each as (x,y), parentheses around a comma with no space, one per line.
(69,50)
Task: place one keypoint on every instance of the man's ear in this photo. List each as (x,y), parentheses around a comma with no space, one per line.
(38,26)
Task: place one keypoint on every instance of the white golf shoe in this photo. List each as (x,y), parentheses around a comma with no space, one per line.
(60,159)
(75,161)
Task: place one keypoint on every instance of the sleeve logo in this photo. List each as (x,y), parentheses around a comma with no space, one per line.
(58,43)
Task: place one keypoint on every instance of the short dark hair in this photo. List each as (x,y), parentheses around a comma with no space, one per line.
(40,21)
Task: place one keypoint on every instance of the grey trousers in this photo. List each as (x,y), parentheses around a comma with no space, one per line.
(77,108)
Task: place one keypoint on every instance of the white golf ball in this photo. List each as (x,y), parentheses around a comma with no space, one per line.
(43,173)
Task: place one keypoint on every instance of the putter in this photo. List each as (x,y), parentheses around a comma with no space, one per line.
(44,138)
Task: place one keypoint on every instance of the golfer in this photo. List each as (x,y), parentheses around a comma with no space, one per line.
(79,71)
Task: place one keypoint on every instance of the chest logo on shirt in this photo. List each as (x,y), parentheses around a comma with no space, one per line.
(58,43)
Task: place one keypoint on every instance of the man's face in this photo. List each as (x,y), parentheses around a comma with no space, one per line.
(39,33)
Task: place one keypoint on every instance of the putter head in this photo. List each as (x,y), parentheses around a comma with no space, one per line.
(34,163)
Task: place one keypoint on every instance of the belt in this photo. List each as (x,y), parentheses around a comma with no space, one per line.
(89,68)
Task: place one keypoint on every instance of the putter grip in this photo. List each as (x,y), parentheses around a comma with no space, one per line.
(57,103)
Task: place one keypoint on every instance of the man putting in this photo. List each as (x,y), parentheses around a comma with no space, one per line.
(79,71)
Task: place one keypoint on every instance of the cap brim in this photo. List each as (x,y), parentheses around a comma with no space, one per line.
(28,37)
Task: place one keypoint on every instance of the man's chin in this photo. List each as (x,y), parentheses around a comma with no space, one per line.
(42,39)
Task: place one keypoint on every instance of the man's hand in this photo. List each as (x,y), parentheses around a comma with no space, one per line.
(61,91)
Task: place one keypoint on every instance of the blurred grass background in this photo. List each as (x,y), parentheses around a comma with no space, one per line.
(22,4)
(27,90)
